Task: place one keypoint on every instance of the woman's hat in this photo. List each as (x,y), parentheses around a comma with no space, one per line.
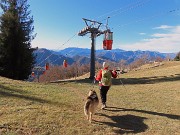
(105,64)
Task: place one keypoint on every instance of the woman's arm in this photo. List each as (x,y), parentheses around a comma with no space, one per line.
(99,76)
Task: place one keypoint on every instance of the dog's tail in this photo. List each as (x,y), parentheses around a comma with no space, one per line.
(86,107)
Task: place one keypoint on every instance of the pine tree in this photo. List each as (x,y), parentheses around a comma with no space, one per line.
(177,58)
(16,34)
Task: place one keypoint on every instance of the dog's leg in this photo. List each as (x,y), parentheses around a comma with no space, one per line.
(90,119)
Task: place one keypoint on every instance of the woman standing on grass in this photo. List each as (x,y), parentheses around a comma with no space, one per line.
(104,78)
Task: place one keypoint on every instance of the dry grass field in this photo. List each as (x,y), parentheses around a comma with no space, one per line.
(143,102)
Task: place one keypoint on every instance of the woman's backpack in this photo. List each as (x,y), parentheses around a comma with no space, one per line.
(106,77)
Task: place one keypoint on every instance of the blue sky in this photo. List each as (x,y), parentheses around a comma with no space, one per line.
(137,24)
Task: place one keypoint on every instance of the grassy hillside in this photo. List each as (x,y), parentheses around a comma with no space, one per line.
(148,103)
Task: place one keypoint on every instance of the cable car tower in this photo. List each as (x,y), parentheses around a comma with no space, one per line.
(93,27)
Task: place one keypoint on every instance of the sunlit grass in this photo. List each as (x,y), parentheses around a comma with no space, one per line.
(147,103)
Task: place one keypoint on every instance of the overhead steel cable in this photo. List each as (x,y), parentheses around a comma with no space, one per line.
(136,21)
(133,7)
(58,48)
(128,7)
(56,59)
(123,10)
(119,9)
(150,17)
(115,12)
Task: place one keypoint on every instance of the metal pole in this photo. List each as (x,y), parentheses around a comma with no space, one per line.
(92,67)
(38,75)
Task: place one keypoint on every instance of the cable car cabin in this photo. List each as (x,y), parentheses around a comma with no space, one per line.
(65,63)
(108,40)
(47,66)
(33,74)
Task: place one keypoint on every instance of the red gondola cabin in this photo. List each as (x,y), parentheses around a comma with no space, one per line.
(47,66)
(65,63)
(33,74)
(108,40)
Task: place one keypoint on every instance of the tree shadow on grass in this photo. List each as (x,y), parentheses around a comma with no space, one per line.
(170,116)
(10,90)
(118,81)
(147,80)
(126,124)
(21,94)
(85,80)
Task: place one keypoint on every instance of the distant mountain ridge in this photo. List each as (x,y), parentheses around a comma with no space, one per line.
(44,56)
(82,55)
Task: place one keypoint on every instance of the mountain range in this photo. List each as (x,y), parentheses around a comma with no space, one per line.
(82,55)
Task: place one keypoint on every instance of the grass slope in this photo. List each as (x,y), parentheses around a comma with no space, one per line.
(148,103)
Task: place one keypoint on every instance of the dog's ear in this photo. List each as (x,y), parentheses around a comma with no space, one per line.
(91,92)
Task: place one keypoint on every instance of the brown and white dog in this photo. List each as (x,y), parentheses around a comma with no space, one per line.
(91,104)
